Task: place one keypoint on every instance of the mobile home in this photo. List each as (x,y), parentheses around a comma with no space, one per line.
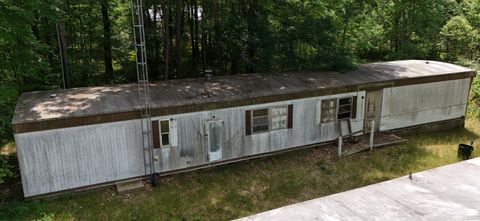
(83,137)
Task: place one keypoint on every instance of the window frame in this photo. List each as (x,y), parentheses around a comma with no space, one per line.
(253,117)
(334,115)
(337,108)
(161,133)
(270,126)
(350,112)
(270,122)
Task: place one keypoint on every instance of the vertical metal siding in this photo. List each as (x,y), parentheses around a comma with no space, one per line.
(68,158)
(192,141)
(423,103)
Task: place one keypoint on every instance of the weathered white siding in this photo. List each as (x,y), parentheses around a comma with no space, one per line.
(192,149)
(69,158)
(423,103)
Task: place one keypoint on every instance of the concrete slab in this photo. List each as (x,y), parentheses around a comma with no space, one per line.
(446,193)
(129,186)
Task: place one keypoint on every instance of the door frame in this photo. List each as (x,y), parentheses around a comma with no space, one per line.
(378,109)
(209,154)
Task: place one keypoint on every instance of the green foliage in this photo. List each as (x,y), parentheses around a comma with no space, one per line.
(476,90)
(24,56)
(458,37)
(231,36)
(8,98)
(5,169)
(474,107)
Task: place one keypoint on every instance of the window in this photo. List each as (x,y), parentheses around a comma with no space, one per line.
(329,110)
(344,108)
(165,132)
(260,120)
(161,133)
(337,109)
(279,118)
(268,119)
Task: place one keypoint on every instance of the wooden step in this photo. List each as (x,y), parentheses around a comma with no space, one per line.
(379,140)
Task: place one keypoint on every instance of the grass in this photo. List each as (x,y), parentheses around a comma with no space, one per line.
(253,186)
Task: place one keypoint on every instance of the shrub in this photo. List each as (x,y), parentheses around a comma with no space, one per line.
(8,98)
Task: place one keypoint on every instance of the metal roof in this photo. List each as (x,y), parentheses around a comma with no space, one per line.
(446,193)
(90,101)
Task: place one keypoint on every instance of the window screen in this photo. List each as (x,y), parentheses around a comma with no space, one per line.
(260,120)
(344,108)
(329,110)
(279,118)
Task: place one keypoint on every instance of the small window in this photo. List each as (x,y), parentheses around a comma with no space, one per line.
(260,120)
(165,132)
(279,118)
(344,108)
(329,109)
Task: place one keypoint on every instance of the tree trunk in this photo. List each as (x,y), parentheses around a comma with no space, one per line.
(346,23)
(196,49)
(156,36)
(193,22)
(107,42)
(62,43)
(166,19)
(218,37)
(252,28)
(204,39)
(178,37)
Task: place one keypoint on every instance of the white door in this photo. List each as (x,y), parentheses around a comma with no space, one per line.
(214,134)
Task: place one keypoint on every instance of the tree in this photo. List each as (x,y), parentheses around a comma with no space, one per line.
(458,37)
(24,56)
(179,16)
(107,41)
(167,43)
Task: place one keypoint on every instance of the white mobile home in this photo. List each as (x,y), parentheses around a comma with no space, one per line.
(91,136)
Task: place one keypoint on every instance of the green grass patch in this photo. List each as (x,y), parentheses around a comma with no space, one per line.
(253,186)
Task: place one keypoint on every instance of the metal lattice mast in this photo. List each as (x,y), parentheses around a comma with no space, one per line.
(143,85)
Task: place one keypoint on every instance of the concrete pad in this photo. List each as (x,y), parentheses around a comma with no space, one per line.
(450,192)
(129,186)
